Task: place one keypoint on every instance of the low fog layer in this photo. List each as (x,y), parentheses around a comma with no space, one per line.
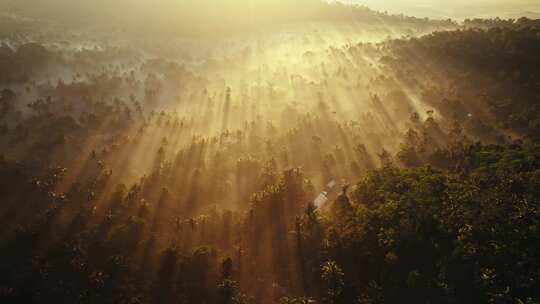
(265,152)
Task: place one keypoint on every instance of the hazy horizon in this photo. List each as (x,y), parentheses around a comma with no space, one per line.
(458,9)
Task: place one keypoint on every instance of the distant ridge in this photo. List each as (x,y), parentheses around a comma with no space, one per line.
(528,14)
(207,17)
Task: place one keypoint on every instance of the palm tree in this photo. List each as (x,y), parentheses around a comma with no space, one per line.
(333,277)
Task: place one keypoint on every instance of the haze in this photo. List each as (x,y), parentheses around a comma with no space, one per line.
(458,9)
(269,152)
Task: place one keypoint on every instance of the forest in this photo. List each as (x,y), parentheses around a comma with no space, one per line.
(340,155)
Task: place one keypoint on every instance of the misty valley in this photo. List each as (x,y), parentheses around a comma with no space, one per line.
(271,152)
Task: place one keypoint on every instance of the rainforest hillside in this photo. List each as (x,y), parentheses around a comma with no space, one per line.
(323,163)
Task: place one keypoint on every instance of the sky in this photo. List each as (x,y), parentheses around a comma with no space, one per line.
(458,9)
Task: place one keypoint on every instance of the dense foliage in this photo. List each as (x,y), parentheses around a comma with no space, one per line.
(400,171)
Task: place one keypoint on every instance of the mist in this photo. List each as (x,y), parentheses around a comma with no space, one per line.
(269,152)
